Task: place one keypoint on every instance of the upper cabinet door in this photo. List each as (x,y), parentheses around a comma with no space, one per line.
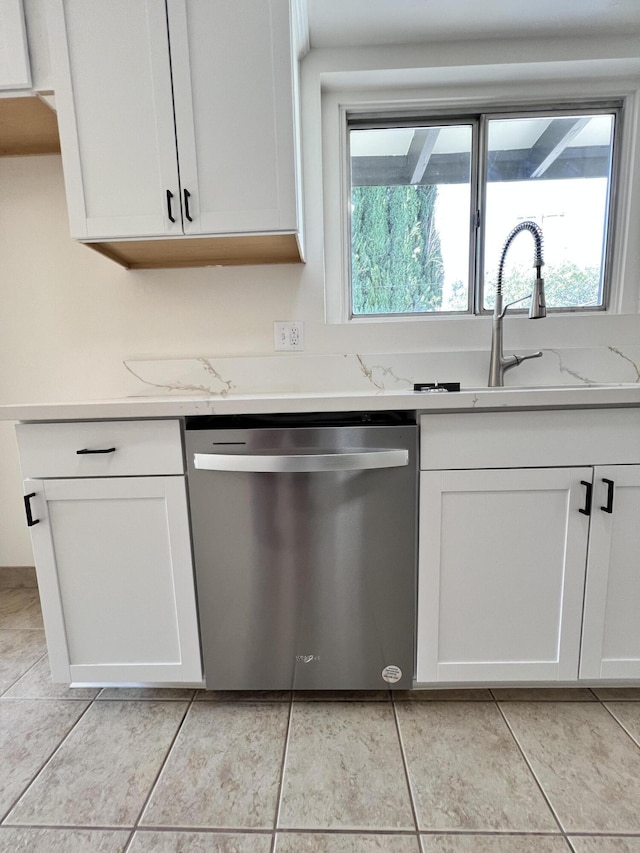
(113,89)
(233,77)
(15,70)
(611,630)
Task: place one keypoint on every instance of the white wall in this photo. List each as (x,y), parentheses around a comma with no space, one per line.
(69,317)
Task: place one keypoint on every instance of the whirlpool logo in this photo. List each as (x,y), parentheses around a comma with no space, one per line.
(307,658)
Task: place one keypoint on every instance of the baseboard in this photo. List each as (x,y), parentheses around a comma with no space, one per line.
(12,576)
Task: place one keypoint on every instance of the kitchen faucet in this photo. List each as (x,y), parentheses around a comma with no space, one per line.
(499,363)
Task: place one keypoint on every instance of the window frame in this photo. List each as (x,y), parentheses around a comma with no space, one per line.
(390,115)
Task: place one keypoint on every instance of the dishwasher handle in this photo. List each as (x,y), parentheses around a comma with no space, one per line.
(302,462)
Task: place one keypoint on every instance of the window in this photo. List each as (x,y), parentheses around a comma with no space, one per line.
(433,198)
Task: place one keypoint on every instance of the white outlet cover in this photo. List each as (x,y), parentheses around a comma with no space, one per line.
(288,335)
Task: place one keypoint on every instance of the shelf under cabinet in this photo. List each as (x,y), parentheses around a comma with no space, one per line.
(27,126)
(202,251)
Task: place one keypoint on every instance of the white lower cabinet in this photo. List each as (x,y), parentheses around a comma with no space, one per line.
(611,634)
(501,574)
(112,553)
(114,569)
(529,547)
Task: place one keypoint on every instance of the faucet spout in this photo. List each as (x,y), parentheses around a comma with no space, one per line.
(499,363)
(538,307)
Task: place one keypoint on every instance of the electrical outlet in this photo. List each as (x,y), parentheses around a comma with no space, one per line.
(287,336)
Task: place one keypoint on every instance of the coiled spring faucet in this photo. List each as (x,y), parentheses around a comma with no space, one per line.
(499,363)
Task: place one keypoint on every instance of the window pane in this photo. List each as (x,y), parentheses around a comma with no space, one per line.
(410,215)
(556,170)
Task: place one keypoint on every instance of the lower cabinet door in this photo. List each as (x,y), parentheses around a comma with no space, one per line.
(113,560)
(501,574)
(611,632)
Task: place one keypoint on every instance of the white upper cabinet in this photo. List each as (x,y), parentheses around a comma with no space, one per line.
(231,65)
(176,120)
(15,70)
(113,95)
(27,118)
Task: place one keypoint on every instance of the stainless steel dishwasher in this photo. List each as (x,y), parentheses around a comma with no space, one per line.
(304,536)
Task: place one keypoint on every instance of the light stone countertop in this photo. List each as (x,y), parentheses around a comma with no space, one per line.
(467,400)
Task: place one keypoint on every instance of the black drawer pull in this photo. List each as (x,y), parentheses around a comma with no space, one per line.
(86,451)
(610,488)
(187,196)
(586,510)
(27,508)
(169,213)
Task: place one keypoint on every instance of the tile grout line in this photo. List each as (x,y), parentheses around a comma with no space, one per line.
(605,834)
(69,827)
(19,678)
(325,830)
(532,771)
(283,767)
(619,723)
(406,772)
(306,830)
(47,760)
(499,833)
(200,830)
(158,774)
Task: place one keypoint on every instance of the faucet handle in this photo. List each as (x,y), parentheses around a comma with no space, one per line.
(520,358)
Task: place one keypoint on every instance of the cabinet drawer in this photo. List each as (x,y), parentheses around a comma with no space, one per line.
(565,437)
(128,448)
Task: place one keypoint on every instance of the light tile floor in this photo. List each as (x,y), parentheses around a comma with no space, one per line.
(161,771)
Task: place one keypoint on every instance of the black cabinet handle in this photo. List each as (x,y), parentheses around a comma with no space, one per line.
(610,487)
(586,510)
(85,451)
(187,196)
(169,213)
(27,508)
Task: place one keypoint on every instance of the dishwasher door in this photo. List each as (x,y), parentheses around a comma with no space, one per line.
(305,555)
